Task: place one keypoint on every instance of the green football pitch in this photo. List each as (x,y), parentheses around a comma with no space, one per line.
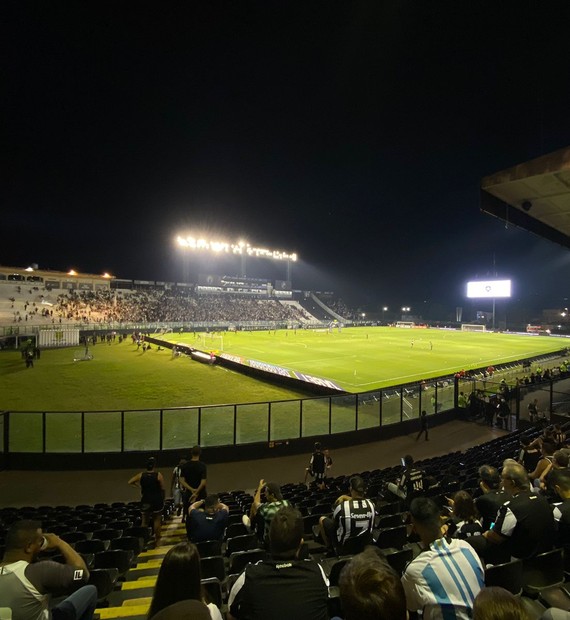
(362,359)
(121,377)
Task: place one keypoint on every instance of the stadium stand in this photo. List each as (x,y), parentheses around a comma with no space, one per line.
(124,567)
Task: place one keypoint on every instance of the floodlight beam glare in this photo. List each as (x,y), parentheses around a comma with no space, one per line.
(240,248)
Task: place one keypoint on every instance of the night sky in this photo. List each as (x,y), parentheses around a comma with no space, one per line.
(354,133)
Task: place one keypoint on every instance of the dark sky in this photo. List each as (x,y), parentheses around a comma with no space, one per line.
(354,133)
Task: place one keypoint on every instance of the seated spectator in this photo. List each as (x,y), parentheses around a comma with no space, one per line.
(443,580)
(26,585)
(179,580)
(493,496)
(411,482)
(561,483)
(560,460)
(524,522)
(464,521)
(547,452)
(262,513)
(284,587)
(498,604)
(371,589)
(207,519)
(353,517)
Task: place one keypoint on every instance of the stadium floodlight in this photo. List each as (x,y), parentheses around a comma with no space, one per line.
(406,308)
(241,248)
(72,272)
(488,289)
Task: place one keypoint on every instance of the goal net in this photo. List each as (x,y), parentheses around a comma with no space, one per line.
(466,327)
(405,324)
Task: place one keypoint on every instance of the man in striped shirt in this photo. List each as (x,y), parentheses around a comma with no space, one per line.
(353,517)
(443,581)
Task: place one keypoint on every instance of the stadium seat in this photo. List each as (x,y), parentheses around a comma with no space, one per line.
(543,571)
(213,588)
(240,559)
(115,558)
(398,560)
(104,579)
(73,537)
(139,531)
(392,538)
(508,575)
(213,566)
(128,543)
(235,529)
(241,543)
(89,546)
(208,548)
(336,569)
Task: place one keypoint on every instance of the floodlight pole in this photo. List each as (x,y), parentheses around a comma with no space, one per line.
(243,259)
(288,270)
(493,314)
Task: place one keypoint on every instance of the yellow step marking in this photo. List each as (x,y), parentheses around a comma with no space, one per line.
(107,613)
(147,582)
(144,600)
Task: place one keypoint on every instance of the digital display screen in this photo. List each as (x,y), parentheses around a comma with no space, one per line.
(489,288)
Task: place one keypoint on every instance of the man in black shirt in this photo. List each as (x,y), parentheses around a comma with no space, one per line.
(493,496)
(193,479)
(317,466)
(561,482)
(207,519)
(283,587)
(411,483)
(524,522)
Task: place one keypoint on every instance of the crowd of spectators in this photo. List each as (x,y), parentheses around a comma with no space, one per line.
(171,306)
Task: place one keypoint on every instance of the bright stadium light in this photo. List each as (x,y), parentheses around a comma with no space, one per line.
(241,248)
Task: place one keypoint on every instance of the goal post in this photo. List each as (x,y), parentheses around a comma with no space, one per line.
(405,324)
(467,327)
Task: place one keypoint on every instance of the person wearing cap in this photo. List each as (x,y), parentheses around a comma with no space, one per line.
(151,484)
(353,517)
(281,587)
(493,496)
(262,513)
(207,519)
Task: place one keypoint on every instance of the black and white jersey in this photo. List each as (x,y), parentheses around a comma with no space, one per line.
(412,481)
(353,518)
(318,465)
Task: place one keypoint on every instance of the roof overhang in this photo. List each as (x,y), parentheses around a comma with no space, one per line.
(534,196)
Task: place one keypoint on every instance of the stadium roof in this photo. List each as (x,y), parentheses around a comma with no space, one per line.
(534,195)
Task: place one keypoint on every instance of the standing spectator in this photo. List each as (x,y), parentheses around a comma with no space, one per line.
(26,586)
(444,580)
(193,479)
(151,484)
(262,513)
(176,487)
(317,466)
(208,523)
(283,587)
(352,518)
(423,425)
(179,580)
(370,589)
(528,455)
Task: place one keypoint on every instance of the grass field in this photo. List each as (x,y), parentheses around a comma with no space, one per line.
(360,359)
(120,377)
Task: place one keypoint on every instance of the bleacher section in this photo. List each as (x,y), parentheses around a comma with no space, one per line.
(124,567)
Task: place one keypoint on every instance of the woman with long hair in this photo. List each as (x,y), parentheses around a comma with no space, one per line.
(179,580)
